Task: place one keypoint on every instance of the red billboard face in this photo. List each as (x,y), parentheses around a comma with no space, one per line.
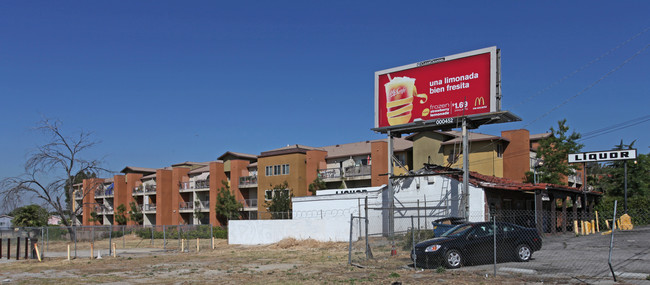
(451,88)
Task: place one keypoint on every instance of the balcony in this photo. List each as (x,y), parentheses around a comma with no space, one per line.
(249,204)
(202,184)
(149,208)
(150,189)
(355,171)
(248,181)
(184,186)
(101,193)
(103,209)
(202,205)
(137,191)
(330,174)
(185,206)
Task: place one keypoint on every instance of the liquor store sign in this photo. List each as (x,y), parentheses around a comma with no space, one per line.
(438,89)
(598,156)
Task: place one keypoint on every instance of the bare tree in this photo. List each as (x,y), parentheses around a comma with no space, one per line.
(50,171)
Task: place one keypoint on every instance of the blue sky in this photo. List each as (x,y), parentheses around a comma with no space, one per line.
(161,82)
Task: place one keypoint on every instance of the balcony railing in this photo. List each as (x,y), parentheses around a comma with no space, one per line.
(186,206)
(330,173)
(360,170)
(150,189)
(78,195)
(184,186)
(137,191)
(202,184)
(248,181)
(148,207)
(104,193)
(103,209)
(203,205)
(249,203)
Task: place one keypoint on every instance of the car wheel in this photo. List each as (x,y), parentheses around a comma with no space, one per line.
(523,253)
(453,258)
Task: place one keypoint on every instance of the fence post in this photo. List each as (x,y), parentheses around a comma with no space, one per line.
(75,242)
(27,248)
(368,252)
(110,240)
(0,247)
(425,212)
(350,242)
(17,248)
(42,237)
(211,237)
(123,236)
(494,243)
(152,234)
(611,242)
(164,239)
(8,248)
(47,245)
(415,264)
(179,235)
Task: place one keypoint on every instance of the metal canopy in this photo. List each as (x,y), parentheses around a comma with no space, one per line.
(473,122)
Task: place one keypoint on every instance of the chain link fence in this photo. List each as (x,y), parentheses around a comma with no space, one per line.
(86,241)
(558,244)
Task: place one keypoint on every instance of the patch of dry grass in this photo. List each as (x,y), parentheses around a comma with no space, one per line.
(289,261)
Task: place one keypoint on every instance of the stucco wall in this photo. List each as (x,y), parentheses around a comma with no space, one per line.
(272,231)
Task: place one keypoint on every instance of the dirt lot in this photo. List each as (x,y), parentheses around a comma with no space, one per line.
(288,262)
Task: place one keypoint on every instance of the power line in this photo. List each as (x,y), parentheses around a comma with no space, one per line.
(582,68)
(591,85)
(616,127)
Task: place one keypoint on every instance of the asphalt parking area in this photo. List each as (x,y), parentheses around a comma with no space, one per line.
(586,257)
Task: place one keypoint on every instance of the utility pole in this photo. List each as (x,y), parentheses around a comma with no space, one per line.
(391,194)
(465,168)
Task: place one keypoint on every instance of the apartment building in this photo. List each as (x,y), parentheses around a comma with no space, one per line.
(186,193)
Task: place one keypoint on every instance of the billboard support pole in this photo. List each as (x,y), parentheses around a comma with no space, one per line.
(391,197)
(625,188)
(465,168)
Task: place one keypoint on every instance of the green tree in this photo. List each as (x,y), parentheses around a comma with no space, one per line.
(638,180)
(30,216)
(93,217)
(135,214)
(280,204)
(554,151)
(227,207)
(317,184)
(120,215)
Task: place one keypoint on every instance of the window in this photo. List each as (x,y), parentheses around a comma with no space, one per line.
(499,150)
(280,169)
(268,195)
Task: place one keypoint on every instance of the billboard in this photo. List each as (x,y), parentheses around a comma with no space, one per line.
(598,156)
(442,88)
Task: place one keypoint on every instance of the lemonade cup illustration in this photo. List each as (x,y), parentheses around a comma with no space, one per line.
(399,100)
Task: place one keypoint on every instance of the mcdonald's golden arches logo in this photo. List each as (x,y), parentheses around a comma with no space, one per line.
(479,101)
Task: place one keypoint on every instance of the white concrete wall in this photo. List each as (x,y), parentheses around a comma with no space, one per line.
(272,231)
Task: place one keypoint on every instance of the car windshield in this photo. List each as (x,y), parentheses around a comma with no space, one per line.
(457,230)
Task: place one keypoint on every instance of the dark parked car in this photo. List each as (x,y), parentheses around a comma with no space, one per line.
(474,243)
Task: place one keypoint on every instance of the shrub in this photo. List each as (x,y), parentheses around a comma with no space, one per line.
(420,235)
